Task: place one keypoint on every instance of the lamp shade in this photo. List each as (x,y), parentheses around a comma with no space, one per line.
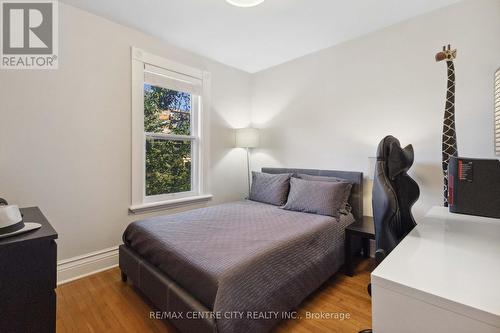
(247,137)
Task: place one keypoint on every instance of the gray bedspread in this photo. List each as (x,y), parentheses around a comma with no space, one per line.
(243,256)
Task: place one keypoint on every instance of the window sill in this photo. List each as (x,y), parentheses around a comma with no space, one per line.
(167,204)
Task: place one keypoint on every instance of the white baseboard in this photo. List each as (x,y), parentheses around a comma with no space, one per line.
(87,264)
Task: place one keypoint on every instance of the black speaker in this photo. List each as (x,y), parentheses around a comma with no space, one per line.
(474,186)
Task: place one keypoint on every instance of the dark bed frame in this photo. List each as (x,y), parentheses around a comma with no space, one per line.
(168,297)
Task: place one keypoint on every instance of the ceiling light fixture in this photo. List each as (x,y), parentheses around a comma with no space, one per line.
(245,3)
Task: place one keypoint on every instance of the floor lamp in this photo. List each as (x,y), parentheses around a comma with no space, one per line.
(247,138)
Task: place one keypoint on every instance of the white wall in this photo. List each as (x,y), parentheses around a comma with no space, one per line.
(65,135)
(331,108)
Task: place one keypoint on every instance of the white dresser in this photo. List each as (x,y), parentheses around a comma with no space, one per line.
(443,277)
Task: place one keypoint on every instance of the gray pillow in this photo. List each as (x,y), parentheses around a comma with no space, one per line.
(318,197)
(344,210)
(270,188)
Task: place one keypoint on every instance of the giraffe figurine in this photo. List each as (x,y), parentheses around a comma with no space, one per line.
(449,148)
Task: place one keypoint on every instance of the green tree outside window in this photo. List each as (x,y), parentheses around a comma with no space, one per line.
(168,162)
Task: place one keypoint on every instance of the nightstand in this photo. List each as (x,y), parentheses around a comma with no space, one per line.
(28,278)
(364,229)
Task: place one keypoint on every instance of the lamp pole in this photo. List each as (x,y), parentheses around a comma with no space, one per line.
(248,170)
(247,138)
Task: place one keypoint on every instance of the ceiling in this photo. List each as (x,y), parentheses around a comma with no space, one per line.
(253,39)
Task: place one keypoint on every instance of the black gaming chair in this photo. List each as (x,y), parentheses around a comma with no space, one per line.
(393,195)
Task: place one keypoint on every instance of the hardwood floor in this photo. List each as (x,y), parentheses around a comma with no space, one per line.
(103,303)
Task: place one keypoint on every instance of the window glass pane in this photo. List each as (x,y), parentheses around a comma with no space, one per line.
(166,111)
(168,166)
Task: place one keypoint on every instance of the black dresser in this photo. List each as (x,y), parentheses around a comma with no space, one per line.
(28,278)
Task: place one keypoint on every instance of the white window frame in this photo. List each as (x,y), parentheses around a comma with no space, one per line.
(496,106)
(199,122)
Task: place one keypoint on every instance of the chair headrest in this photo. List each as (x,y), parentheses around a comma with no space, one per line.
(398,160)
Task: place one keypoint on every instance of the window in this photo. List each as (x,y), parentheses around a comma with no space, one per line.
(168,100)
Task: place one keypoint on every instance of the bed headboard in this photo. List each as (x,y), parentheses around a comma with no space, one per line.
(356,178)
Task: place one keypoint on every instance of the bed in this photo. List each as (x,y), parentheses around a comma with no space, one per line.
(236,267)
